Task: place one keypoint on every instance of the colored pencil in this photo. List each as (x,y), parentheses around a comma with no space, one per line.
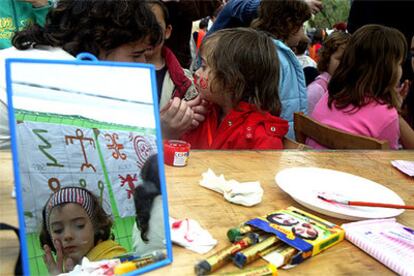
(366,204)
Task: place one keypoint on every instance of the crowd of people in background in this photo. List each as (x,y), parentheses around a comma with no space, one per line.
(162,33)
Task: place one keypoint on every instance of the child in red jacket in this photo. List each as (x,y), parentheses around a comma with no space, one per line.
(239,76)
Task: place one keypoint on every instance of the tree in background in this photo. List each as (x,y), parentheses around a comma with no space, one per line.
(334,11)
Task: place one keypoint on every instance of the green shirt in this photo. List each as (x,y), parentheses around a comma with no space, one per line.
(15,15)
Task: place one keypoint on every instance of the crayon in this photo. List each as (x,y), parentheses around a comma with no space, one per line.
(134,264)
(265,270)
(124,267)
(233,233)
(261,233)
(271,249)
(222,256)
(149,259)
(157,254)
(251,253)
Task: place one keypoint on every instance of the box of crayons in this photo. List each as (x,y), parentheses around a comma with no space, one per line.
(306,233)
(282,237)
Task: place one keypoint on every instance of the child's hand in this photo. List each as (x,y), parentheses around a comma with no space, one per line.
(199,108)
(176,118)
(56,267)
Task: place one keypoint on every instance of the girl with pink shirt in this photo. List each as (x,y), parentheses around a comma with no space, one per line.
(363,96)
(329,57)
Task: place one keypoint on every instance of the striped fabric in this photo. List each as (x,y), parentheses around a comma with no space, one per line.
(69,195)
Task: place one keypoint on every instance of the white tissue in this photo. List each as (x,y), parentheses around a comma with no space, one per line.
(245,193)
(189,234)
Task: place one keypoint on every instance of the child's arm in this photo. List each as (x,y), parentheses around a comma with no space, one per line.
(235,12)
(406,134)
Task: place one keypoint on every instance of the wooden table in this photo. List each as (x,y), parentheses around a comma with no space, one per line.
(187,199)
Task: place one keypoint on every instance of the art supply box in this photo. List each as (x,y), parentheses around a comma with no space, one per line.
(305,232)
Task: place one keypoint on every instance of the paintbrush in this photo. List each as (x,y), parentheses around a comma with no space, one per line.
(366,204)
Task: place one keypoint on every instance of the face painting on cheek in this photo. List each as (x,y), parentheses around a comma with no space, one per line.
(203,83)
(200,82)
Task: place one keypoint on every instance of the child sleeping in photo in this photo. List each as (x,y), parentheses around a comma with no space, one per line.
(75,226)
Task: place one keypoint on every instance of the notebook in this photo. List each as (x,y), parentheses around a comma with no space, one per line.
(388,241)
(405,166)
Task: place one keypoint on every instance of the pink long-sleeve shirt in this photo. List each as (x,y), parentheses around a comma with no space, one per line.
(374,120)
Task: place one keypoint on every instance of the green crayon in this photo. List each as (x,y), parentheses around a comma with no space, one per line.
(233,233)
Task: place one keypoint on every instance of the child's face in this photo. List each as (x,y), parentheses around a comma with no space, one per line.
(335,59)
(131,52)
(71,226)
(201,80)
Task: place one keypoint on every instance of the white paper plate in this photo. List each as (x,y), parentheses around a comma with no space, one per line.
(305,184)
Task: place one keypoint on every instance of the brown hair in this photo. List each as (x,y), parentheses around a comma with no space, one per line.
(101,222)
(329,47)
(245,62)
(367,70)
(303,44)
(281,18)
(88,26)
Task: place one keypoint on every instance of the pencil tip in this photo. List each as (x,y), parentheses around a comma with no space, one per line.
(321,197)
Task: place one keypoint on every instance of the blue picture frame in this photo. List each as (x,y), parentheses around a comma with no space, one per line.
(85,60)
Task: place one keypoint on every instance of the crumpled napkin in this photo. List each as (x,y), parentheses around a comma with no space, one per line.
(189,234)
(245,193)
(104,267)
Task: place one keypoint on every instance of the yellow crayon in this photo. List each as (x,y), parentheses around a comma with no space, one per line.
(124,267)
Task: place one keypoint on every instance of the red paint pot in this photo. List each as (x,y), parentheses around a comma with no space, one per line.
(176,152)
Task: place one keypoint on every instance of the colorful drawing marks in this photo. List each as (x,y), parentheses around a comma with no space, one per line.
(53,156)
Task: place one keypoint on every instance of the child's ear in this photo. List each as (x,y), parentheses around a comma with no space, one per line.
(168,31)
